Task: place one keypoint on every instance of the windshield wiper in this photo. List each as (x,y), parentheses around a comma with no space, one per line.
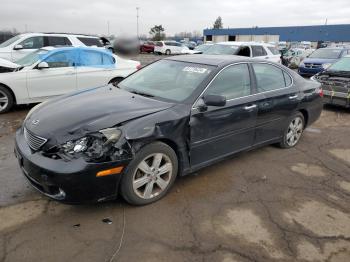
(140,93)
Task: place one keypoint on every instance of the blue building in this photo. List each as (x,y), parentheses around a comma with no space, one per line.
(325,33)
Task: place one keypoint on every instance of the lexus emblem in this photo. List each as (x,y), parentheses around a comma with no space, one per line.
(35,122)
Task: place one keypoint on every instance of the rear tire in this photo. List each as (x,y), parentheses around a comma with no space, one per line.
(150,175)
(293,131)
(6,100)
(167,52)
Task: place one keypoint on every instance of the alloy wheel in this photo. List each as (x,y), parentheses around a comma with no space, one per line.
(295,130)
(152,175)
(4,100)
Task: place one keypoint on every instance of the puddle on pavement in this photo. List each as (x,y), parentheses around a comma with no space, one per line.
(308,170)
(344,185)
(343,154)
(20,213)
(245,224)
(321,219)
(332,251)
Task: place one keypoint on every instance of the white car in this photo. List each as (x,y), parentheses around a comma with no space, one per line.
(170,48)
(50,72)
(23,44)
(250,49)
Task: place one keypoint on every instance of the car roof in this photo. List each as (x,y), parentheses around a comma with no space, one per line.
(214,60)
(244,43)
(58,34)
(51,48)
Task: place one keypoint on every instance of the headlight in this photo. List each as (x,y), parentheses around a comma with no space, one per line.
(95,146)
(325,66)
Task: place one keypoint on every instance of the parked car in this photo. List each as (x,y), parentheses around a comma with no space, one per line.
(335,82)
(191,44)
(23,44)
(294,56)
(169,119)
(170,48)
(201,48)
(147,47)
(249,49)
(50,72)
(320,60)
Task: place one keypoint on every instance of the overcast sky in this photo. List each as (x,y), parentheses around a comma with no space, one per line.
(87,16)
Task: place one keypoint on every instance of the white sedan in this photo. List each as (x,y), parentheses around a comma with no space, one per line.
(50,72)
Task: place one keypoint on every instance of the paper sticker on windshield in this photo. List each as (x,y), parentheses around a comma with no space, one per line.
(192,69)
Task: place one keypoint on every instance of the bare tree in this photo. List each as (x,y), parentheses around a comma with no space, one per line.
(157,32)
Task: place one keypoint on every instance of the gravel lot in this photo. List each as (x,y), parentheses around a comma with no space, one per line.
(265,205)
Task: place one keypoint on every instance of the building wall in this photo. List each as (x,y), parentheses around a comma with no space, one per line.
(332,33)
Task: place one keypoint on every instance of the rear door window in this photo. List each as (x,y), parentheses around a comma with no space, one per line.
(91,58)
(258,51)
(58,41)
(269,77)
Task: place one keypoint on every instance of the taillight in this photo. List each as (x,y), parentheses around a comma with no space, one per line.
(320,92)
(138,66)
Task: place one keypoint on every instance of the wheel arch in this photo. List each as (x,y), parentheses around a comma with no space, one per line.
(11,91)
(305,114)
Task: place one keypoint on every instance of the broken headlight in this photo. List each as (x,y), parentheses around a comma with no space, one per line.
(95,146)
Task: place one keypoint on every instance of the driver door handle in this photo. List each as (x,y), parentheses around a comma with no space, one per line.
(249,107)
(293,97)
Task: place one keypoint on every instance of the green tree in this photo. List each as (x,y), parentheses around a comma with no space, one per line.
(157,32)
(218,23)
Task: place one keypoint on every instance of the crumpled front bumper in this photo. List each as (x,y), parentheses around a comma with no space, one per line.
(72,181)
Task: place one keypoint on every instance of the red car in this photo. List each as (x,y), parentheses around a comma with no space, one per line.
(147,47)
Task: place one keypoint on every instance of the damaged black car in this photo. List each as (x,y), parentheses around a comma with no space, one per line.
(336,83)
(169,119)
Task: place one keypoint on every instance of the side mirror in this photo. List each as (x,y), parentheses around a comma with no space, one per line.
(43,65)
(18,47)
(214,100)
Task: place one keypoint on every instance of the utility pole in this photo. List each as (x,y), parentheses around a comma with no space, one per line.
(107,27)
(137,21)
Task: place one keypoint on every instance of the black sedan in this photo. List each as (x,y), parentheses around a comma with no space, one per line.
(169,119)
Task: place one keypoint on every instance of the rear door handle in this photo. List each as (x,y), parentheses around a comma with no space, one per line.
(249,107)
(293,97)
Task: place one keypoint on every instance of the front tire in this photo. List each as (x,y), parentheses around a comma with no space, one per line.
(6,100)
(167,52)
(150,174)
(293,132)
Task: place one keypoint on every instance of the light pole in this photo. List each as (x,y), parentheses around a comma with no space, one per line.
(137,21)
(107,27)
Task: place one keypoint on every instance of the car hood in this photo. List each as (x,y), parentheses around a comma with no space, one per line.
(7,63)
(319,61)
(73,116)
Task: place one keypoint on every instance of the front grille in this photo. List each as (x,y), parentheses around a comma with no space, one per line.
(34,141)
(309,65)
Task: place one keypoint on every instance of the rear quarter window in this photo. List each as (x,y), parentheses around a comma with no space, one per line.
(273,50)
(90,41)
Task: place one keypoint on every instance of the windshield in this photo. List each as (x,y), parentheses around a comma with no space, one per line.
(171,80)
(10,41)
(341,65)
(219,49)
(31,58)
(325,53)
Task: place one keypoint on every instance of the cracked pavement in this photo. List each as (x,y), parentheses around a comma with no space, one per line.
(269,204)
